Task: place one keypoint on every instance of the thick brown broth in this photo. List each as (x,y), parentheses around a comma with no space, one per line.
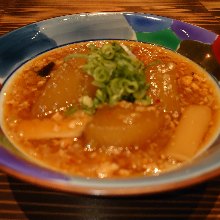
(127,139)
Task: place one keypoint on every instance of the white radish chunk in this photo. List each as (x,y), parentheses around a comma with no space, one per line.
(50,128)
(64,88)
(123,126)
(164,88)
(189,133)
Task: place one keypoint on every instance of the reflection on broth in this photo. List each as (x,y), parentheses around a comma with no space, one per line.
(111,109)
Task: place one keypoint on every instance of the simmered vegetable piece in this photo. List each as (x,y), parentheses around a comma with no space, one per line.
(64,88)
(163,88)
(125,126)
(190,132)
(56,127)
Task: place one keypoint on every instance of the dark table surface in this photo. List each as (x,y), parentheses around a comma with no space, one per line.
(21,200)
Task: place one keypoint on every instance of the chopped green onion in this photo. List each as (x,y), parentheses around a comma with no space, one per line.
(70,110)
(118,75)
(101,95)
(115,86)
(101,74)
(108,51)
(131,87)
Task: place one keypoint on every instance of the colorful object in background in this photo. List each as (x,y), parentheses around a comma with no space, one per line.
(164,38)
(186,31)
(216,48)
(198,44)
(202,54)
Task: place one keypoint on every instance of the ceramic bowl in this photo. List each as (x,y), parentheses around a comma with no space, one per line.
(23,44)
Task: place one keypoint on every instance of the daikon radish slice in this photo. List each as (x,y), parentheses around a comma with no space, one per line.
(123,126)
(164,87)
(64,88)
(51,128)
(189,133)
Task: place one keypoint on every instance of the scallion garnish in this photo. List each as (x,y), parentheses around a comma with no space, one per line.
(117,73)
